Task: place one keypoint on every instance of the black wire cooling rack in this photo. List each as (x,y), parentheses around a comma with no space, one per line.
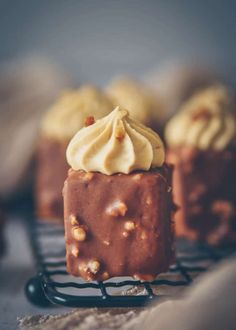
(53,284)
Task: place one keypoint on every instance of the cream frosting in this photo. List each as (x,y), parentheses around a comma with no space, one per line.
(206,121)
(139,100)
(69,113)
(115,144)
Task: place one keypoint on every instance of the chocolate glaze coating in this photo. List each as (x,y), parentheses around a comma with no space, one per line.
(51,173)
(204,187)
(118,225)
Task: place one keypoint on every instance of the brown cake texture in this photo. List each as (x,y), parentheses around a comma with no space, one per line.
(118,225)
(49,184)
(204,185)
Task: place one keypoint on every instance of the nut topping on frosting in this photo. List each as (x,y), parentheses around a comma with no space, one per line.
(206,121)
(102,148)
(89,121)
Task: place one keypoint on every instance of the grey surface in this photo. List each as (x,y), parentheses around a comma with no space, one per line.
(15,269)
(94,40)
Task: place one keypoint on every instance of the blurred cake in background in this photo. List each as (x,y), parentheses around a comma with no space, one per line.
(202,146)
(141,101)
(27,88)
(73,110)
(174,82)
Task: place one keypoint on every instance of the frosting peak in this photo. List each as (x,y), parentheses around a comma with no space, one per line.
(115,144)
(206,121)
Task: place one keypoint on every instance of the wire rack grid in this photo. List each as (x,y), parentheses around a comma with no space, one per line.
(54,285)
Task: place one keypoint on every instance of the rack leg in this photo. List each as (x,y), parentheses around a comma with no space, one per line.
(35,294)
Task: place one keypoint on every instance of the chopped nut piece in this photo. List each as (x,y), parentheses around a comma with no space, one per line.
(122,209)
(149,200)
(144,235)
(125,234)
(116,209)
(79,234)
(106,242)
(75,251)
(129,225)
(105,276)
(88,176)
(85,272)
(83,267)
(73,220)
(137,176)
(89,121)
(94,266)
(120,134)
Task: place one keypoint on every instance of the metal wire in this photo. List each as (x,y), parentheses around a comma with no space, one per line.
(59,287)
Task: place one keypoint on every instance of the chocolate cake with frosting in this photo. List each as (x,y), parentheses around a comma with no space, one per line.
(202,146)
(71,112)
(118,201)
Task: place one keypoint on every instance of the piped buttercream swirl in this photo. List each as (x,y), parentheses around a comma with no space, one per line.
(206,121)
(115,144)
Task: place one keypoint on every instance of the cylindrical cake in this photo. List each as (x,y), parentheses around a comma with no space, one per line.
(118,201)
(201,140)
(205,189)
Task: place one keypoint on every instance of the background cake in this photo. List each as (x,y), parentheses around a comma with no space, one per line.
(118,201)
(143,103)
(73,110)
(202,146)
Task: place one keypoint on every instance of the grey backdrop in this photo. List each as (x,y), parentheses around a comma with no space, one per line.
(96,39)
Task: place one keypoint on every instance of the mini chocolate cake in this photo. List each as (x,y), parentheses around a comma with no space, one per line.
(118,218)
(69,114)
(51,155)
(202,150)
(207,197)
